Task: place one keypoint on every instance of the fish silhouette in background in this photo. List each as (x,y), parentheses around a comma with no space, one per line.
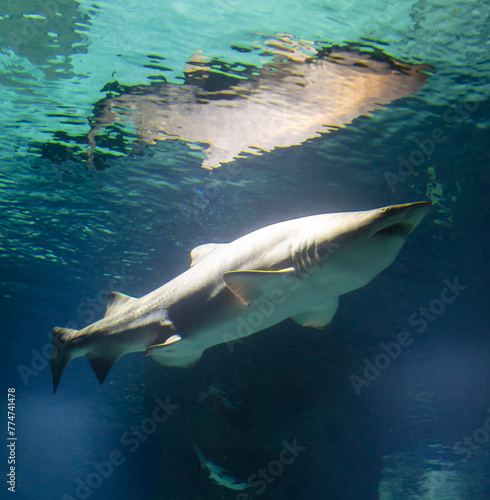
(301,93)
(219,475)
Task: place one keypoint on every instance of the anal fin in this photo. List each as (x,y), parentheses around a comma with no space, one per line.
(102,365)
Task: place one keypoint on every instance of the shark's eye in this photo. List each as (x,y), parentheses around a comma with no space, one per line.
(398,229)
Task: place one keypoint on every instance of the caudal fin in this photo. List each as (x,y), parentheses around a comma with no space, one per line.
(61,354)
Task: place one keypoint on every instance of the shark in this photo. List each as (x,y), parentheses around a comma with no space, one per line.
(219,475)
(292,269)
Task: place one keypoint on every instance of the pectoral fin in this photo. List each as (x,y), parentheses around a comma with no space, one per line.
(254,286)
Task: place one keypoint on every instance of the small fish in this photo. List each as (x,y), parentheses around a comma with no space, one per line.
(294,269)
(218,474)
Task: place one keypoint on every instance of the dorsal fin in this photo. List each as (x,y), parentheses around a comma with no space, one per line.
(201,251)
(115,300)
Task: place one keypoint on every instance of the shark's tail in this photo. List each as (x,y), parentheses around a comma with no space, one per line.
(61,354)
(64,342)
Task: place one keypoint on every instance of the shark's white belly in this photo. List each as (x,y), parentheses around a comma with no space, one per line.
(308,305)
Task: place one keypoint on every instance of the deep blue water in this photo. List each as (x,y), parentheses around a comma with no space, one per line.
(74,228)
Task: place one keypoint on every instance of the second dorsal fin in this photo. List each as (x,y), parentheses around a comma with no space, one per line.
(116,300)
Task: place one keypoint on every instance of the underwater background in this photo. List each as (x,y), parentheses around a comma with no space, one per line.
(75,226)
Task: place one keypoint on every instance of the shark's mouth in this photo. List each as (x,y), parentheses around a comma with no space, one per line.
(397,229)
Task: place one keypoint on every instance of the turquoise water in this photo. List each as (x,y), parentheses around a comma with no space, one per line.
(77,224)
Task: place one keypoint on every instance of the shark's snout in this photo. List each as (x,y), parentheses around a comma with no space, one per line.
(401,220)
